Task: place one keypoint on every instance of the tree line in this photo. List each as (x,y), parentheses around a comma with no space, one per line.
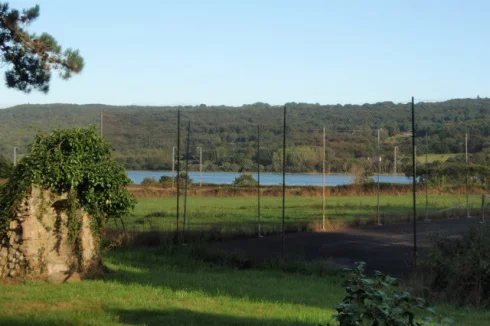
(143,138)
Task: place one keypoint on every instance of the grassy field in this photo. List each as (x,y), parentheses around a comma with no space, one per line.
(238,213)
(156,287)
(436,157)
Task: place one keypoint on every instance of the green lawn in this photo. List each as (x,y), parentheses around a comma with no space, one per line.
(153,287)
(241,212)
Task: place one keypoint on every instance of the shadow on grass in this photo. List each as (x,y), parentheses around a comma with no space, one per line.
(19,321)
(157,318)
(189,317)
(181,269)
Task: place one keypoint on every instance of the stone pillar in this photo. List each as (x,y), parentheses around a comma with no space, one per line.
(37,245)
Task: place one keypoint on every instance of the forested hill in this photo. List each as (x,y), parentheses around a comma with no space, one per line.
(143,137)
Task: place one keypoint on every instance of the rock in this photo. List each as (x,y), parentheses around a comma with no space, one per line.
(73,278)
(12,273)
(41,249)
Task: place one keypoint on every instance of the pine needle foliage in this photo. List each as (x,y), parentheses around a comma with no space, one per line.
(30,58)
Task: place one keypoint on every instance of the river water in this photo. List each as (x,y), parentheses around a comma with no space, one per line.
(268,178)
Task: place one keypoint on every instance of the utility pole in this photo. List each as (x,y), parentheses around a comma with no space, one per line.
(395,163)
(323,179)
(379,171)
(466,178)
(200,165)
(15,155)
(173,164)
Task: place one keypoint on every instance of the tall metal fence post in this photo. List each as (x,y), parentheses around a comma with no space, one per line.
(186,180)
(173,165)
(283,182)
(378,217)
(178,178)
(323,181)
(258,183)
(414,186)
(466,175)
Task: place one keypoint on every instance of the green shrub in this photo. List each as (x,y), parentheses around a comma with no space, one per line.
(458,269)
(379,301)
(166,180)
(245,180)
(74,161)
(149,181)
(183,177)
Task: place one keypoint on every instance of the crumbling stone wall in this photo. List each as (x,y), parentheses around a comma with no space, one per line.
(37,244)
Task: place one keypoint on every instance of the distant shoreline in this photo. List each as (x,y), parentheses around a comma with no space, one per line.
(255,172)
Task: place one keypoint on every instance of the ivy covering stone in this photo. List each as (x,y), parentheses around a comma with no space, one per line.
(77,162)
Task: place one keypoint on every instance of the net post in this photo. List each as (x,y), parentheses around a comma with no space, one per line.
(186,180)
(414,187)
(258,182)
(283,181)
(178,179)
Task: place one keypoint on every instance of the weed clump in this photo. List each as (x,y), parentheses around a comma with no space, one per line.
(458,268)
(380,301)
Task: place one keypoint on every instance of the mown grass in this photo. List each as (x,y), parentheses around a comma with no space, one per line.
(172,287)
(204,213)
(157,288)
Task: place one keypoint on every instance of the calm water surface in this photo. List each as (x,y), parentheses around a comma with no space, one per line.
(267,178)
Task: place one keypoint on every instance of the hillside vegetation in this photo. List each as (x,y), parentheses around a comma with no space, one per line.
(143,137)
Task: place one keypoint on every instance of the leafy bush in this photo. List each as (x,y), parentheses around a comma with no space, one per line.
(183,177)
(378,301)
(166,180)
(149,181)
(245,180)
(75,161)
(458,269)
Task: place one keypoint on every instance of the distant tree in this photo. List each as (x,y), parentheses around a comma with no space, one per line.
(31,57)
(166,180)
(245,180)
(183,177)
(149,181)
(360,175)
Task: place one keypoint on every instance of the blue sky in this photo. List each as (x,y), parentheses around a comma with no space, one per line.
(235,52)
